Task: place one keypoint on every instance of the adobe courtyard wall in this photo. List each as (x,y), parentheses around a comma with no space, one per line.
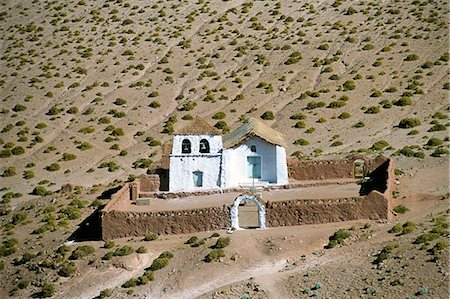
(376,204)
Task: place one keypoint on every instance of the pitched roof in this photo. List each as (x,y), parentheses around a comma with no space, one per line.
(253,127)
(198,126)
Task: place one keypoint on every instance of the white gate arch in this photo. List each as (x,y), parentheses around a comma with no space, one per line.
(234,212)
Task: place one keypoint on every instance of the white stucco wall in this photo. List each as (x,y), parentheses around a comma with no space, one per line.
(182,165)
(282,171)
(235,162)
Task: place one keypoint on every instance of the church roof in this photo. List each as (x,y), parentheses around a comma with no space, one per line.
(198,126)
(253,127)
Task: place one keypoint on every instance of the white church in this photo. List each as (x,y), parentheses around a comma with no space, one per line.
(203,159)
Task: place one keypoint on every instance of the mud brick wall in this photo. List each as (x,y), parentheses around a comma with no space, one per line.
(313,211)
(124,194)
(149,183)
(305,170)
(118,224)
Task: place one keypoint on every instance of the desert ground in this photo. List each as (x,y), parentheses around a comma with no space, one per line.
(90,90)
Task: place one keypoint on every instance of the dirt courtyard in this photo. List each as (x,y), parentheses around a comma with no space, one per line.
(216,200)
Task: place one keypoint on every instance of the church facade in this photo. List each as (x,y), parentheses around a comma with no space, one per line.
(203,159)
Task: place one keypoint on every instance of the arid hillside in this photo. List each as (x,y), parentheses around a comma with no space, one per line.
(91,89)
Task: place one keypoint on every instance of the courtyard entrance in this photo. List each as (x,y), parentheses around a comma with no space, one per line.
(248,211)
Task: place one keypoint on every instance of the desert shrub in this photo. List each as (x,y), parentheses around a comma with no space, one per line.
(159,263)
(437,127)
(298,116)
(215,254)
(219,115)
(105,293)
(85,146)
(150,237)
(53,111)
(111,165)
(434,141)
(344,115)
(439,152)
(407,123)
(199,242)
(53,167)
(300,125)
(68,157)
(385,252)
(338,238)
(379,145)
(41,191)
(324,46)
(222,242)
(48,290)
(141,249)
(2,265)
(337,104)
(192,240)
(154,104)
(425,238)
(73,110)
(301,141)
(397,228)
(107,256)
(372,110)
(408,227)
(313,105)
(23,284)
(67,269)
(348,85)
(132,282)
(18,150)
(439,115)
(401,209)
(5,153)
(268,115)
(123,251)
(438,247)
(109,244)
(403,101)
(222,125)
(153,94)
(411,57)
(166,254)
(81,252)
(10,171)
(295,57)
(19,108)
(337,143)
(19,217)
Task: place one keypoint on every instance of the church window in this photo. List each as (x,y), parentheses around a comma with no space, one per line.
(204,146)
(253,148)
(186,147)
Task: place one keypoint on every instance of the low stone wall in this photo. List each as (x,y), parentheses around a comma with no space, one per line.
(118,224)
(306,170)
(123,194)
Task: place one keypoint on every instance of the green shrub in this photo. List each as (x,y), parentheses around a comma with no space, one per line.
(408,227)
(105,293)
(192,240)
(123,251)
(338,238)
(425,238)
(19,217)
(300,125)
(385,252)
(67,269)
(141,249)
(298,116)
(440,152)
(154,104)
(48,290)
(72,110)
(411,57)
(295,57)
(379,145)
(407,123)
(403,101)
(18,150)
(215,254)
(222,242)
(372,110)
(437,127)
(166,254)
(401,209)
(81,252)
(53,167)
(132,282)
(434,141)
(41,191)
(222,125)
(344,115)
(219,115)
(109,244)
(301,141)
(107,256)
(397,228)
(8,172)
(28,174)
(438,247)
(68,157)
(151,237)
(159,263)
(268,115)
(348,85)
